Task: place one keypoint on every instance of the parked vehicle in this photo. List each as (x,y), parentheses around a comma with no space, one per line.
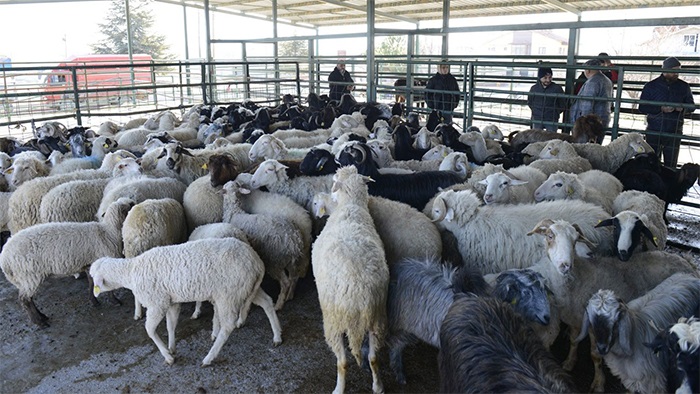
(99,80)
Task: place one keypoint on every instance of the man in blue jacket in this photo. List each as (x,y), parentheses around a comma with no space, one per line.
(668,118)
(548,104)
(443,102)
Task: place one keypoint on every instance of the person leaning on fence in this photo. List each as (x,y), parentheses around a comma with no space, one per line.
(339,81)
(593,98)
(547,104)
(437,94)
(667,119)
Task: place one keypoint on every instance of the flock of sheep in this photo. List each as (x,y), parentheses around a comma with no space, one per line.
(413,233)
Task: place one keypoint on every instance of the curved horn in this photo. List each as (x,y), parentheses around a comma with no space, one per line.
(441,207)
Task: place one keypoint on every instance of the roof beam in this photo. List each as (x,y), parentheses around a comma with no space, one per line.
(343,3)
(563,6)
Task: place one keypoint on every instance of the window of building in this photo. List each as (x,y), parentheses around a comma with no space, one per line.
(542,50)
(689,40)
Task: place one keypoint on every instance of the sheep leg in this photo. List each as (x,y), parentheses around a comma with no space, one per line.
(138,313)
(245,309)
(215,326)
(396,346)
(197,310)
(226,321)
(35,315)
(598,384)
(374,344)
(571,358)
(284,292)
(265,301)
(153,317)
(171,323)
(335,342)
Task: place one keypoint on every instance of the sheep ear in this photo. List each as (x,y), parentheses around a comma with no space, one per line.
(280,167)
(244,190)
(276,146)
(483,182)
(624,330)
(517,182)
(162,154)
(186,152)
(647,233)
(584,328)
(450,214)
(582,238)
(605,223)
(98,283)
(541,227)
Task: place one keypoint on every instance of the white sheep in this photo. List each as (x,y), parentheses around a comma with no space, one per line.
(270,147)
(301,138)
(24,169)
(416,237)
(514,186)
(352,276)
(431,160)
(623,328)
(149,224)
(277,240)
(141,189)
(481,147)
(480,230)
(35,253)
(492,132)
(425,139)
(606,158)
(302,189)
(567,186)
(226,272)
(456,162)
(79,200)
(558,155)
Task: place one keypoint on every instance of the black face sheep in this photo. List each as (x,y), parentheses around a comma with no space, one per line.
(485,346)
(621,329)
(37,252)
(318,162)
(352,276)
(677,346)
(225,271)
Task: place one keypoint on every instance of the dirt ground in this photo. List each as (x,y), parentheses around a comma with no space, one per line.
(102,349)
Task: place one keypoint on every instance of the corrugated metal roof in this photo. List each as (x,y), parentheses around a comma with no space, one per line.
(337,12)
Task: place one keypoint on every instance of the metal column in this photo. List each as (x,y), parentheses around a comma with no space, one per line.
(445,26)
(371,85)
(275,52)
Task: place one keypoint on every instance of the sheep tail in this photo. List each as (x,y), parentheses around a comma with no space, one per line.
(355,339)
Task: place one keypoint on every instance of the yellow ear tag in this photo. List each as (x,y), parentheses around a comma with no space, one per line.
(514,301)
(105,145)
(656,239)
(569,191)
(96,290)
(119,158)
(322,211)
(204,166)
(320,168)
(9,170)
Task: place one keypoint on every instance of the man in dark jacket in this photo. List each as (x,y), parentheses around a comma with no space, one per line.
(668,118)
(343,82)
(442,101)
(547,104)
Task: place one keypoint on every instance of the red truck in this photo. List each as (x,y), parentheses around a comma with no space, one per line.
(58,90)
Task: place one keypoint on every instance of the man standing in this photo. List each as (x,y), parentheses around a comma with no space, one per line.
(443,101)
(593,96)
(339,81)
(547,104)
(667,119)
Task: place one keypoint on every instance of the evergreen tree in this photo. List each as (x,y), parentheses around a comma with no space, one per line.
(114,30)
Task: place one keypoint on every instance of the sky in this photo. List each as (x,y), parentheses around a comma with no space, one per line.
(51,32)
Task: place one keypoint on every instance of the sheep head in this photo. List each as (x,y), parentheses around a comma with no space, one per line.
(348,186)
(438,152)
(498,187)
(269,172)
(492,132)
(525,290)
(559,186)
(267,147)
(562,241)
(628,228)
(608,318)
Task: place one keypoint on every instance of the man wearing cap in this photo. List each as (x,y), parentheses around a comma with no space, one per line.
(442,101)
(546,104)
(592,98)
(343,81)
(668,118)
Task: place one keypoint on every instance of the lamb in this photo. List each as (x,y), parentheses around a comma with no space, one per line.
(278,241)
(586,129)
(33,254)
(227,272)
(481,148)
(415,238)
(571,278)
(271,174)
(480,229)
(149,224)
(606,158)
(421,292)
(639,217)
(486,347)
(352,276)
(566,186)
(559,155)
(24,169)
(514,186)
(621,329)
